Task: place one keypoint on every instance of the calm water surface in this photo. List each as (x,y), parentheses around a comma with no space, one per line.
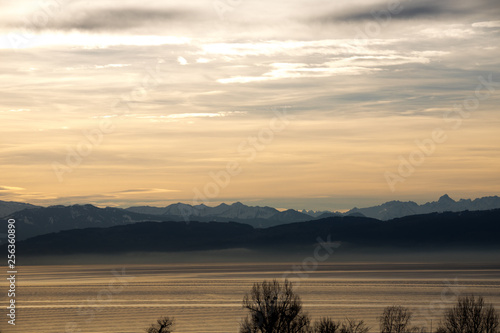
(207,297)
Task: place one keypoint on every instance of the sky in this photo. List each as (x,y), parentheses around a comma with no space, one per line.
(313,104)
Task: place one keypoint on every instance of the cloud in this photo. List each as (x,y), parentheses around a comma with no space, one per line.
(204,115)
(10,188)
(405,10)
(107,19)
(487,24)
(355,65)
(16,110)
(292,47)
(87,41)
(111,66)
(413,10)
(144,191)
(203,60)
(86,67)
(189,115)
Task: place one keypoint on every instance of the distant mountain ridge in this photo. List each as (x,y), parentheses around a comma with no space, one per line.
(395,209)
(9,207)
(42,220)
(37,221)
(33,220)
(385,211)
(237,212)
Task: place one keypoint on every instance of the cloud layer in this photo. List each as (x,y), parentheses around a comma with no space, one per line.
(148,103)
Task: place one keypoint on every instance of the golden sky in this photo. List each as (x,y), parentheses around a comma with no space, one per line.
(296,104)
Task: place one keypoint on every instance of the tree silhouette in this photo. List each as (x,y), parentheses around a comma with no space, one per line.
(274,308)
(353,326)
(326,325)
(397,319)
(470,315)
(162,325)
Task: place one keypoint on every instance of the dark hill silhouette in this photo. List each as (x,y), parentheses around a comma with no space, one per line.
(449,230)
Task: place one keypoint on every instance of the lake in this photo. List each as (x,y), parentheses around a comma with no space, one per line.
(207,297)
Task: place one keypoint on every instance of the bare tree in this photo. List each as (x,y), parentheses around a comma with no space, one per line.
(274,308)
(397,319)
(326,325)
(470,315)
(354,326)
(162,325)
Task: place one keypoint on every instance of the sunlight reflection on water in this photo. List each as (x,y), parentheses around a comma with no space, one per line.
(207,297)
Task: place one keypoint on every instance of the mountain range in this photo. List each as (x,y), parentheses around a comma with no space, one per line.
(385,211)
(236,212)
(394,209)
(34,220)
(9,207)
(37,221)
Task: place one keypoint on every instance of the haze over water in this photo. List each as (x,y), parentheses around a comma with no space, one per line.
(207,297)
